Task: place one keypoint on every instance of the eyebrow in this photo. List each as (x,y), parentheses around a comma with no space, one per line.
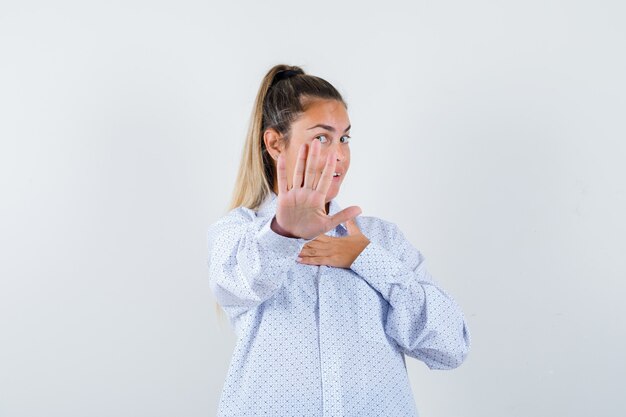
(330,128)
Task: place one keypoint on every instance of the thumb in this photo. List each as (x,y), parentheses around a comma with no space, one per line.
(345,215)
(353,229)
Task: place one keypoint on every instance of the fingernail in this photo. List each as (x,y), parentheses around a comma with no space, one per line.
(298,259)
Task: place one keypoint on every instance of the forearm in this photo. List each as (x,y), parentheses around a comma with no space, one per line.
(248,260)
(422,318)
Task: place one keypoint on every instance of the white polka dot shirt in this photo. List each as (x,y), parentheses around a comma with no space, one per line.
(325,341)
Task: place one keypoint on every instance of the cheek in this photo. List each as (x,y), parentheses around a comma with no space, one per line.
(346,161)
(321,161)
(292,158)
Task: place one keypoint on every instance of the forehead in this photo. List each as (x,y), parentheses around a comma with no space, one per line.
(328,112)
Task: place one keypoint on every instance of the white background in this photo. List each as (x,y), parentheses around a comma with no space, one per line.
(493,133)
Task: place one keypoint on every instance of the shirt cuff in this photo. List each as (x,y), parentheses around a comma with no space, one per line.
(384,272)
(279,244)
(375,263)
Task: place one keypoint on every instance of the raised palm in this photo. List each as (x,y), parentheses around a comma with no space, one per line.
(301,209)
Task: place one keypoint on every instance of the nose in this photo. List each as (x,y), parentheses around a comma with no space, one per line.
(339,153)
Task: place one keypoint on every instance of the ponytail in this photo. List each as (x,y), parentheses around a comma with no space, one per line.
(282,97)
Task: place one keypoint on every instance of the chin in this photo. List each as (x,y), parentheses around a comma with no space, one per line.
(331,194)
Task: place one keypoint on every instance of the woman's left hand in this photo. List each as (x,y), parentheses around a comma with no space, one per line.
(339,252)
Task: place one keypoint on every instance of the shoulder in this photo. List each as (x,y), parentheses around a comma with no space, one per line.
(238,214)
(232,223)
(379,230)
(389,236)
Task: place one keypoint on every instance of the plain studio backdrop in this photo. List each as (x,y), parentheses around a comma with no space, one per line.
(491,132)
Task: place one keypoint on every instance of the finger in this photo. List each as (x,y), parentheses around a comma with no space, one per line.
(313,260)
(311,164)
(319,248)
(298,173)
(321,243)
(353,229)
(321,238)
(344,215)
(308,252)
(314,252)
(327,174)
(310,246)
(282,174)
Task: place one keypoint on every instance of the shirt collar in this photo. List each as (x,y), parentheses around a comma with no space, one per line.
(268,207)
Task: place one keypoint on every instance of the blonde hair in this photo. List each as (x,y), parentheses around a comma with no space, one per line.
(283,96)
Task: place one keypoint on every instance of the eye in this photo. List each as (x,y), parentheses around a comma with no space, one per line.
(345,139)
(322,138)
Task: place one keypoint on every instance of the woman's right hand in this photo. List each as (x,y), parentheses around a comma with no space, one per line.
(301,210)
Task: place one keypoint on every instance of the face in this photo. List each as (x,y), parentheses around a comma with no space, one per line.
(325,121)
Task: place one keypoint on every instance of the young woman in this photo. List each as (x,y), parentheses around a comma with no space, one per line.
(325,303)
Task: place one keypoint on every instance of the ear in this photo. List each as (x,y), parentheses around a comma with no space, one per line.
(273,142)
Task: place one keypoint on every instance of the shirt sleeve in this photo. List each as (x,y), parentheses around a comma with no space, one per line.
(422,318)
(247,260)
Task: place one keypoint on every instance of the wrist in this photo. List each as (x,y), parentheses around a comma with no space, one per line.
(278,229)
(362,241)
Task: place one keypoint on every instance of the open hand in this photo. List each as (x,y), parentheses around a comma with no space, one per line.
(300,211)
